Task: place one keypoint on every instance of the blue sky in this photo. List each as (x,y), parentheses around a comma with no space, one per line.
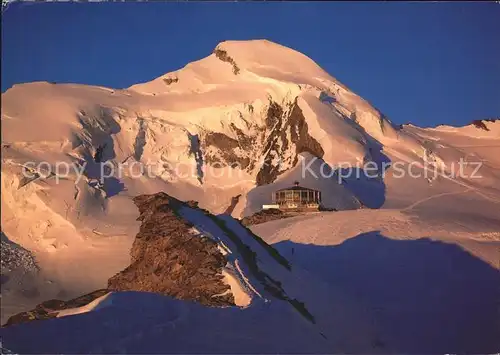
(426,63)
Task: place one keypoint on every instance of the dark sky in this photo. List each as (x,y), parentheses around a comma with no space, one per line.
(426,63)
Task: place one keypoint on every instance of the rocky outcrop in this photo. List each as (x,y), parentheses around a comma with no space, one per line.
(232,206)
(267,150)
(169,257)
(481,123)
(273,214)
(140,139)
(51,308)
(222,55)
(195,152)
(227,149)
(299,131)
(265,216)
(170,81)
(242,149)
(288,137)
(14,257)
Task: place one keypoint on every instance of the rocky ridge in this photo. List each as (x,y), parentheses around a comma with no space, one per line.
(170,257)
(187,253)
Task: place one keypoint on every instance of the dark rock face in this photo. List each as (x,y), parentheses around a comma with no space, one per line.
(170,81)
(241,150)
(264,216)
(226,147)
(168,258)
(50,309)
(234,202)
(195,151)
(481,125)
(244,141)
(140,139)
(15,257)
(300,133)
(276,144)
(222,55)
(282,123)
(98,153)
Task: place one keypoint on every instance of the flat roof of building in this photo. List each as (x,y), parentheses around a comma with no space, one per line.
(296,188)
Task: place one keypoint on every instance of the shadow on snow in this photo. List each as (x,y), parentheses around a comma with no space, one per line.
(426,296)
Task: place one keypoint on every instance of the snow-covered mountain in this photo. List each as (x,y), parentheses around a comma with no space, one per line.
(227,130)
(277,105)
(228,124)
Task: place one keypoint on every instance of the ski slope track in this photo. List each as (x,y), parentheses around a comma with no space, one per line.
(227,131)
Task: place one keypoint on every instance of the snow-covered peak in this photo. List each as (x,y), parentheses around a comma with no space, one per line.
(244,61)
(262,55)
(251,71)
